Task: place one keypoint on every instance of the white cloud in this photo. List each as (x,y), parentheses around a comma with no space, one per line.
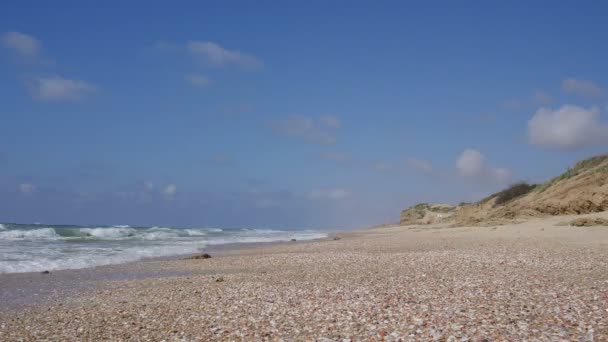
(330,121)
(198,80)
(420,165)
(471,165)
(336,194)
(304,128)
(53,88)
(170,190)
(213,54)
(27,188)
(59,89)
(568,127)
(23,44)
(582,87)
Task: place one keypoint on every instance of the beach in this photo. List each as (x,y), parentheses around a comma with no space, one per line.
(537,280)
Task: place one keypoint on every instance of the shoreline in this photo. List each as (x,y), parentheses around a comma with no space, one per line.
(533,280)
(23,290)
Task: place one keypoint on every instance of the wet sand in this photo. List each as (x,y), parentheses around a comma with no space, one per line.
(535,280)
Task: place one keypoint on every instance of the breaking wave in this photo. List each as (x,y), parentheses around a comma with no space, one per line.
(33,248)
(34,234)
(104,233)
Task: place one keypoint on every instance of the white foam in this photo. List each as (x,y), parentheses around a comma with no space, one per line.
(194,232)
(109,233)
(32,234)
(158,235)
(213,230)
(263,231)
(160,228)
(2,227)
(43,248)
(102,257)
(267,235)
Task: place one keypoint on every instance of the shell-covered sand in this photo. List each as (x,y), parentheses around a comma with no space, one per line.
(532,281)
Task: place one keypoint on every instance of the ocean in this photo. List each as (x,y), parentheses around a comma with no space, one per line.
(37,247)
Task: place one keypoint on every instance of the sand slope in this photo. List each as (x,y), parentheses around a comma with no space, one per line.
(582,189)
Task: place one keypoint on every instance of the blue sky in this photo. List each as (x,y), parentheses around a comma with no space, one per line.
(289,114)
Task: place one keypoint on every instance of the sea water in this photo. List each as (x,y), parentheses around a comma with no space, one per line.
(36,247)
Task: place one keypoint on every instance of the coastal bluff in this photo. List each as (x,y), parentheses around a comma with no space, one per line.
(424,213)
(581,189)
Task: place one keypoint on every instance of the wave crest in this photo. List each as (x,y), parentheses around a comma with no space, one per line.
(108,233)
(33,234)
(194,232)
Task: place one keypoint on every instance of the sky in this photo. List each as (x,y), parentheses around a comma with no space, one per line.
(308,114)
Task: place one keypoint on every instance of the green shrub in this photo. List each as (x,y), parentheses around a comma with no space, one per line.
(512,192)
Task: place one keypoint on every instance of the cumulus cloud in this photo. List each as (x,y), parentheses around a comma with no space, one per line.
(471,165)
(27,188)
(170,190)
(198,80)
(569,127)
(582,87)
(420,165)
(305,128)
(213,54)
(59,89)
(21,43)
(52,88)
(336,194)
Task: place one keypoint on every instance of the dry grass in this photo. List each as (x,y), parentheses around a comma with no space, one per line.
(589,222)
(578,168)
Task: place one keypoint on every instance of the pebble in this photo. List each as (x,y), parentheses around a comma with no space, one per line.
(398,285)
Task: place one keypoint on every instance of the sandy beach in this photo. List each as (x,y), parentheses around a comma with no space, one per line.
(536,280)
